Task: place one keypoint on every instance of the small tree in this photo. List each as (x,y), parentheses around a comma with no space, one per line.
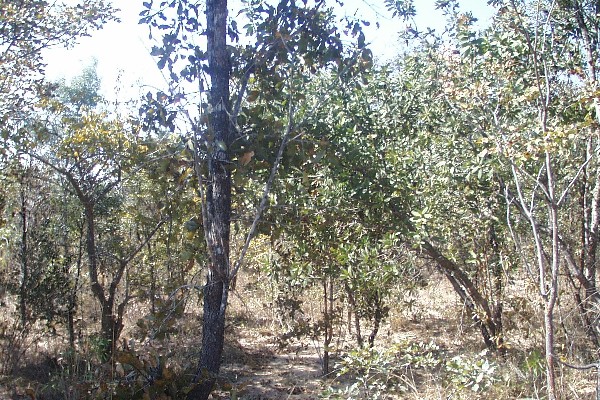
(95,155)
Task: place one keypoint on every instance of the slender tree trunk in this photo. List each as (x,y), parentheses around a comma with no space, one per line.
(354,311)
(72,307)
(216,212)
(24,258)
(376,320)
(108,325)
(497,292)
(327,320)
(553,290)
(477,305)
(106,330)
(112,322)
(549,348)
(90,244)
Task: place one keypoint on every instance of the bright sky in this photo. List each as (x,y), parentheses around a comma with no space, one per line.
(123,49)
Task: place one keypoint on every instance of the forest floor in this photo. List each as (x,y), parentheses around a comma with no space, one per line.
(427,349)
(266,368)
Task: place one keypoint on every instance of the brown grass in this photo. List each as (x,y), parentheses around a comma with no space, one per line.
(259,364)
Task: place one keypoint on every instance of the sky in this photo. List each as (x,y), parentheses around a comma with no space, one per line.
(126,68)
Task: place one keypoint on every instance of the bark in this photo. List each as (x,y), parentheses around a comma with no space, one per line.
(378,317)
(216,208)
(72,307)
(328,300)
(497,290)
(107,326)
(353,310)
(24,259)
(552,295)
(489,322)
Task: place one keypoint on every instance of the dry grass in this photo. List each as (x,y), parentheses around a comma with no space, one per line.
(258,364)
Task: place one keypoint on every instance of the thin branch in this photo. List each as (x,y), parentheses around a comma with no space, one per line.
(572,182)
(579,367)
(242,91)
(265,197)
(144,242)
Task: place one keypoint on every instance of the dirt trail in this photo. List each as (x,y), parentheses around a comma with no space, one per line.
(258,369)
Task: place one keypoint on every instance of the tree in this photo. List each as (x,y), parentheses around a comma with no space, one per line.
(96,155)
(391,144)
(292,42)
(27,27)
(540,127)
(41,260)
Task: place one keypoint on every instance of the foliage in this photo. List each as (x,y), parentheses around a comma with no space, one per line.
(474,152)
(376,373)
(476,375)
(533,364)
(292,42)
(29,27)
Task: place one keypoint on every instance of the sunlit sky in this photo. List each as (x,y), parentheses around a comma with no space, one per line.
(123,49)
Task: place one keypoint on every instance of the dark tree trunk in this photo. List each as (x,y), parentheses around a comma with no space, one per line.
(72,298)
(378,317)
(72,305)
(97,289)
(488,321)
(328,300)
(24,258)
(110,325)
(213,333)
(354,311)
(216,213)
(497,292)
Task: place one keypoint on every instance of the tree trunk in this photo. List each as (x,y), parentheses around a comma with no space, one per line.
(553,290)
(106,332)
(354,311)
(110,327)
(378,317)
(72,297)
(72,304)
(497,288)
(327,321)
(216,212)
(213,333)
(477,305)
(24,259)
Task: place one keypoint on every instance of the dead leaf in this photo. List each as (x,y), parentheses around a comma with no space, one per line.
(31,393)
(246,157)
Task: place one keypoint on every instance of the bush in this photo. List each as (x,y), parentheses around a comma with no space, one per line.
(380,374)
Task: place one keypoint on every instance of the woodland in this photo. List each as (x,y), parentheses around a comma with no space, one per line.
(294,219)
